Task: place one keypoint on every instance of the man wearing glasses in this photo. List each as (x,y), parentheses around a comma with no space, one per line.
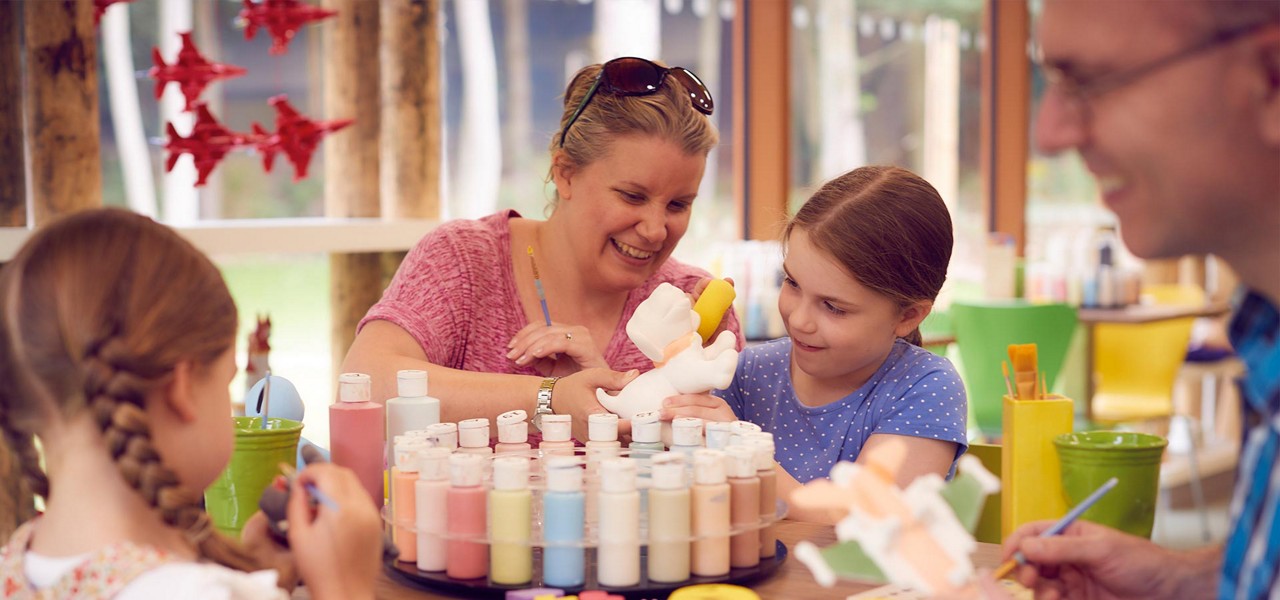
(1174,106)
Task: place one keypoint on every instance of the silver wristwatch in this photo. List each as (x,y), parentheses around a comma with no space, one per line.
(544,401)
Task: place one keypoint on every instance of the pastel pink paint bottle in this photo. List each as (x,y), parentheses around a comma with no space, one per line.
(468,556)
(513,432)
(357,434)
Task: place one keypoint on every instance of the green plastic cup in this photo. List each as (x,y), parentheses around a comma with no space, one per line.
(1090,458)
(233,497)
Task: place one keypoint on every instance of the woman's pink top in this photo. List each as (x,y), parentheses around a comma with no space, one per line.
(455,293)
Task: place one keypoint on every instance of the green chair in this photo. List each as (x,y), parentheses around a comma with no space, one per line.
(984,330)
(937,326)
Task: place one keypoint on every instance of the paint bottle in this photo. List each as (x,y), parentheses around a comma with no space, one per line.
(564,522)
(513,432)
(739,430)
(468,556)
(411,409)
(473,437)
(718,433)
(557,435)
(762,443)
(686,436)
(444,435)
(404,508)
(356,433)
(510,522)
(710,521)
(669,520)
(618,555)
(431,493)
(744,506)
(602,444)
(646,435)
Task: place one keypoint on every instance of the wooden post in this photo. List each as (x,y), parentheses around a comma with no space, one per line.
(351,159)
(62,108)
(1006,111)
(410,163)
(762,116)
(13,177)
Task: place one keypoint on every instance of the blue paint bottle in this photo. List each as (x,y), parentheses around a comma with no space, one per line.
(564,520)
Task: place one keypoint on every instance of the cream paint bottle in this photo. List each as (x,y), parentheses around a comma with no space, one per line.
(762,443)
(513,432)
(510,518)
(557,435)
(686,436)
(411,409)
(356,433)
(669,519)
(602,444)
(404,508)
(718,433)
(710,521)
(432,516)
(618,555)
(445,435)
(473,437)
(744,506)
(467,557)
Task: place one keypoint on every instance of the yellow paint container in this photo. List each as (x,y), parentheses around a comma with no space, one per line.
(1030,475)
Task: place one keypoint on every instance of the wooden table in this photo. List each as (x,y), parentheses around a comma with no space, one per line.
(792,580)
(1134,314)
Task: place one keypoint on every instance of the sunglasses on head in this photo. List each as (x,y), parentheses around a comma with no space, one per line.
(631,76)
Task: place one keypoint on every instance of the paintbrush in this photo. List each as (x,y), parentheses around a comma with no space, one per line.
(537,283)
(1023,358)
(1008,384)
(1067,519)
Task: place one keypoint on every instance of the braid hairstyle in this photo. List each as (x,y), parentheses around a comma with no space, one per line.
(96,310)
(887,227)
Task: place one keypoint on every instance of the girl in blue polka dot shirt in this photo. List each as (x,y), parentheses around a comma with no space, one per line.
(864,260)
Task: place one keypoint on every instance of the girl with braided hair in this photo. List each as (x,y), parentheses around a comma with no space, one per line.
(116,351)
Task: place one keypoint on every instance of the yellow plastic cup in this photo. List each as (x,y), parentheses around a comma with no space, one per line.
(1090,458)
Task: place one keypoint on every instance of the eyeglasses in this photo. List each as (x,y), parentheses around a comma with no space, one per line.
(1076,92)
(631,76)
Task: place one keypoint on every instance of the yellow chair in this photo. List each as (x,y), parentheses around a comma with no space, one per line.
(1136,367)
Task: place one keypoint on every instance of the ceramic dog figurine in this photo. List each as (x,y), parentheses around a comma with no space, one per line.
(665,328)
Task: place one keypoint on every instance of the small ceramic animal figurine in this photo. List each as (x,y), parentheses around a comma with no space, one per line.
(256,366)
(665,328)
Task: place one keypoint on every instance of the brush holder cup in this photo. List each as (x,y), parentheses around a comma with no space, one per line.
(535,548)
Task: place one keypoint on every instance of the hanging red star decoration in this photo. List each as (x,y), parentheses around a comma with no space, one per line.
(296,136)
(208,143)
(100,6)
(282,18)
(191,71)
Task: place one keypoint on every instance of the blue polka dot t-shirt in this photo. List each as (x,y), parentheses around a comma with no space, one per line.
(914,393)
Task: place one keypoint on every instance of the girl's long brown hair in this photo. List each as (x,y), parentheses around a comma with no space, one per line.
(96,310)
(889,229)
